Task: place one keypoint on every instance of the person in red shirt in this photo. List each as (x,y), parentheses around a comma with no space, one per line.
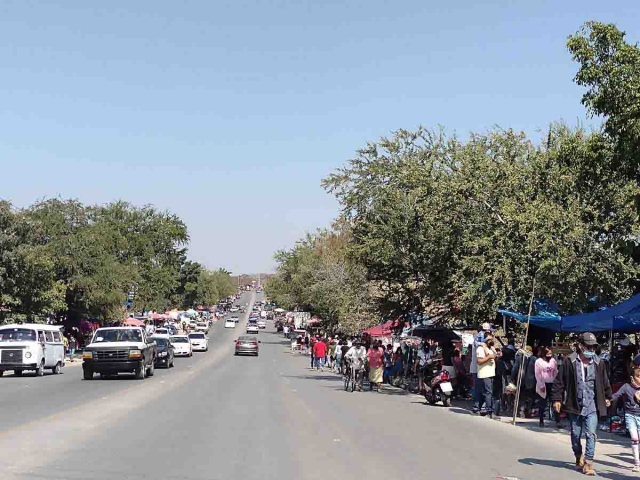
(319,353)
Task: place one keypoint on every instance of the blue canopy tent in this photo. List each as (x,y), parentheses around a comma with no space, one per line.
(623,317)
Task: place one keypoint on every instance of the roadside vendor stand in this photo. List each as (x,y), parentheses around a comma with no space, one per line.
(623,318)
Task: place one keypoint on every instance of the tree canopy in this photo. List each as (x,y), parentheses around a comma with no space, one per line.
(464,226)
(60,258)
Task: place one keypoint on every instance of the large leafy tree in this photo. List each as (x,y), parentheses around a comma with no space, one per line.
(317,276)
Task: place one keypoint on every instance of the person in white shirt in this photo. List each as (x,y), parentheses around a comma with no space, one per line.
(486,356)
(357,356)
(420,364)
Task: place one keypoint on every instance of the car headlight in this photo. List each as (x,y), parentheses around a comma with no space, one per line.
(27,355)
(135,354)
(87,355)
(162,354)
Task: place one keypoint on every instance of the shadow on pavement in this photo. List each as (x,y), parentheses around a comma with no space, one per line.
(623,457)
(332,378)
(571,466)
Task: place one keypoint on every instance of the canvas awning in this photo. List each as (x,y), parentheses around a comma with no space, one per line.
(623,317)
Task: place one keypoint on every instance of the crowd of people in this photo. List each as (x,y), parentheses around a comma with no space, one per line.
(575,386)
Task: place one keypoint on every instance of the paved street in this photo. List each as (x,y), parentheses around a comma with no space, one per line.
(216,416)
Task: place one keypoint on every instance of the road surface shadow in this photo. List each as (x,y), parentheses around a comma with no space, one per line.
(623,457)
(571,466)
(332,378)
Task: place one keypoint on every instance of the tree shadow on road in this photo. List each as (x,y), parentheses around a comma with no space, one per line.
(570,466)
(332,378)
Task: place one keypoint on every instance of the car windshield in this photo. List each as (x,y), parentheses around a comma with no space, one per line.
(197,336)
(115,335)
(162,330)
(17,334)
(161,342)
(246,338)
(179,340)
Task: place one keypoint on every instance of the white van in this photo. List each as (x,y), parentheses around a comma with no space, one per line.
(31,346)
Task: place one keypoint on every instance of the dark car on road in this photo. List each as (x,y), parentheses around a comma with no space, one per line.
(247,345)
(116,350)
(165,355)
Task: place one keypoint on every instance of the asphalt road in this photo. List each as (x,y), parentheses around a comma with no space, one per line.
(216,416)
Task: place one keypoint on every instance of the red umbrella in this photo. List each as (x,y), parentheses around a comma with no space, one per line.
(383,330)
(133,322)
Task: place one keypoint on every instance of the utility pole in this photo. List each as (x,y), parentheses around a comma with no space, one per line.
(258,280)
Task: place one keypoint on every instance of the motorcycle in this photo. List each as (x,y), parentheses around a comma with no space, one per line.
(439,388)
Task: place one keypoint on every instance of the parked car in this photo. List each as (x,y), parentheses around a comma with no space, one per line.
(115,350)
(181,346)
(165,350)
(247,344)
(229,323)
(31,346)
(199,341)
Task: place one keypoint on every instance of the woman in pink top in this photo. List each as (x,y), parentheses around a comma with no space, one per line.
(375,357)
(546,369)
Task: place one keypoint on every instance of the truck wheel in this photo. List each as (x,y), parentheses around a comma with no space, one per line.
(1,373)
(151,370)
(141,371)
(57,369)
(17,373)
(87,374)
(40,369)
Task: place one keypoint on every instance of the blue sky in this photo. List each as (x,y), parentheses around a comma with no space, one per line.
(230,113)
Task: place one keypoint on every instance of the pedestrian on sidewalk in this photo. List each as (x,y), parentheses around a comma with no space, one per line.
(375,358)
(72,347)
(337,367)
(388,364)
(420,364)
(582,388)
(546,370)
(319,352)
(630,392)
(473,368)
(486,359)
(332,353)
(65,344)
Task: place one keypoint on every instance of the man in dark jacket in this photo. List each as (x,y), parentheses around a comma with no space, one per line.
(582,388)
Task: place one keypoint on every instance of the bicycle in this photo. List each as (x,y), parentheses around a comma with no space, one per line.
(354,377)
(347,377)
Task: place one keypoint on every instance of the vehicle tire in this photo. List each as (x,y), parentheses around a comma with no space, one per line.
(431,399)
(87,374)
(1,373)
(141,371)
(17,373)
(40,369)
(152,369)
(446,401)
(57,369)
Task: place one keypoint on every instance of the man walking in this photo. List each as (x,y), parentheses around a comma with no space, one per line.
(486,360)
(473,369)
(319,352)
(582,388)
